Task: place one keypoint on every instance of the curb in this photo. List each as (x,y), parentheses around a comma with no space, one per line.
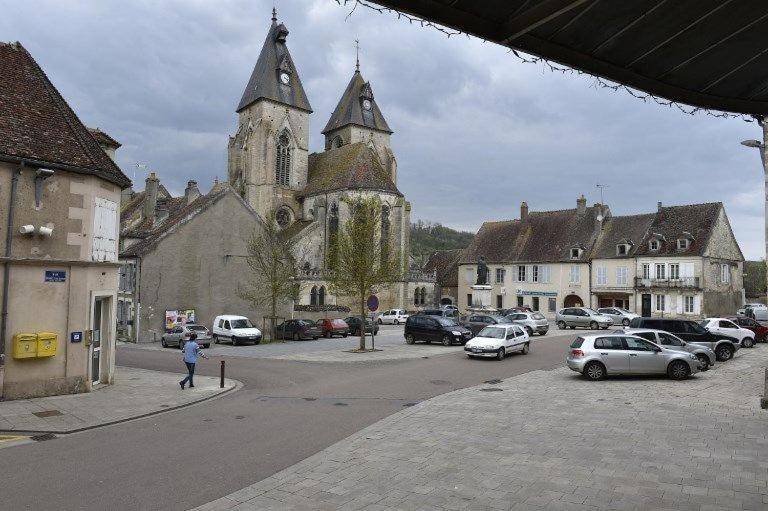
(238,385)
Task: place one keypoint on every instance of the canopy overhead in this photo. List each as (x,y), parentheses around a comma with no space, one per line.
(706,53)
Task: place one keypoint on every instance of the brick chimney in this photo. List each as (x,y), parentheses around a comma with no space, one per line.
(524,211)
(191,192)
(152,184)
(581,205)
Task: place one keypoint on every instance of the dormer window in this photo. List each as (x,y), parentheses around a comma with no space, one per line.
(622,249)
(575,253)
(683,244)
(653,245)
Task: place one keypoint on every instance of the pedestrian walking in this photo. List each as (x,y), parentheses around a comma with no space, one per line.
(191,351)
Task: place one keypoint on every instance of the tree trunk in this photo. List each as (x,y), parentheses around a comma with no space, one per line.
(273,313)
(362,325)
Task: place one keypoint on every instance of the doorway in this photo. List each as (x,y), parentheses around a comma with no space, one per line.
(99,329)
(646,312)
(573,301)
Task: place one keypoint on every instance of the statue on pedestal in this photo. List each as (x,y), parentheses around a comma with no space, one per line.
(482,272)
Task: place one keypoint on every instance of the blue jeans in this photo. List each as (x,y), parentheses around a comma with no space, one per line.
(188,379)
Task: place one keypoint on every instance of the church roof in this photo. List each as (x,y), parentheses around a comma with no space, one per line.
(37,125)
(349,167)
(265,83)
(350,109)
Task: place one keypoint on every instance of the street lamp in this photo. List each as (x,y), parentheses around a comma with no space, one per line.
(763,148)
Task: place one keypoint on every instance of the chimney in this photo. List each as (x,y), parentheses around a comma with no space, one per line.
(524,211)
(581,205)
(658,206)
(150,199)
(191,192)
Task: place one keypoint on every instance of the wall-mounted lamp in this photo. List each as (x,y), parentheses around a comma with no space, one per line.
(40,176)
(27,229)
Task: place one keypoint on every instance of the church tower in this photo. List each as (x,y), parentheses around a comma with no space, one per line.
(357,118)
(268,155)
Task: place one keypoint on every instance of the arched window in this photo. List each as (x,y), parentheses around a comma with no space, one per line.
(423,295)
(321,296)
(333,233)
(283,161)
(384,232)
(416,296)
(313,296)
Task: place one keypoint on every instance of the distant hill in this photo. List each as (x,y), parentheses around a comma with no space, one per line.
(428,237)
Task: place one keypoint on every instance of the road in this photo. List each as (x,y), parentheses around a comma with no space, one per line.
(286,411)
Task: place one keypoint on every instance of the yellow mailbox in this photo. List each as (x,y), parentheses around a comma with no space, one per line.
(25,346)
(46,344)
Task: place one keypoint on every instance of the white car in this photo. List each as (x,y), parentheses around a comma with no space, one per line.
(498,341)
(727,327)
(392,317)
(236,329)
(754,306)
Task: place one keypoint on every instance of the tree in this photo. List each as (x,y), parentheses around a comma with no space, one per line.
(364,261)
(273,269)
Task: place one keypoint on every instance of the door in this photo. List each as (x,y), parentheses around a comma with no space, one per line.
(646,312)
(581,317)
(433,331)
(612,354)
(644,357)
(98,306)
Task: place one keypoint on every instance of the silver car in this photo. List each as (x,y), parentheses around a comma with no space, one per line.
(178,335)
(533,322)
(582,317)
(618,315)
(664,339)
(599,355)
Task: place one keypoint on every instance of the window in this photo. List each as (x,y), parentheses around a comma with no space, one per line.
(520,301)
(534,273)
(521,273)
(688,304)
(575,253)
(500,274)
(283,159)
(321,296)
(661,271)
(423,295)
(469,299)
(653,245)
(660,303)
(544,274)
(609,343)
(648,336)
(669,340)
(575,274)
(499,302)
(602,276)
(417,295)
(621,276)
(333,235)
(646,271)
(674,271)
(635,344)
(313,296)
(384,233)
(552,305)
(621,249)
(727,324)
(682,244)
(725,274)
(535,305)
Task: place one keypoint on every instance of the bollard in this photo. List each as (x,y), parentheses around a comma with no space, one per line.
(221,381)
(764,400)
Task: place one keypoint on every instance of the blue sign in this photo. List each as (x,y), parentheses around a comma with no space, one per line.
(76,337)
(536,293)
(55,276)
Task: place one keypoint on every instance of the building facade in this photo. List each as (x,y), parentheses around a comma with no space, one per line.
(60,193)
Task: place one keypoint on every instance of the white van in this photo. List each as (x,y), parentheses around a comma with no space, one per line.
(393,317)
(236,329)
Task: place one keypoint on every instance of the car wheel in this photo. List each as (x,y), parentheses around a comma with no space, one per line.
(724,353)
(593,325)
(526,349)
(163,343)
(501,354)
(397,322)
(595,371)
(315,338)
(543,333)
(704,361)
(344,335)
(625,322)
(529,330)
(447,341)
(748,342)
(380,321)
(561,325)
(678,370)
(409,339)
(216,339)
(206,346)
(257,342)
(235,342)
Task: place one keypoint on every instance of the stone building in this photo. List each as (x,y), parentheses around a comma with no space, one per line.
(60,194)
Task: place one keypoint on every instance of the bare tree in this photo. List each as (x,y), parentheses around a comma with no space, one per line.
(273,269)
(364,259)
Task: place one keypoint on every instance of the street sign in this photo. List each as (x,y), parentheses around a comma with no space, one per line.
(373,303)
(76,337)
(55,276)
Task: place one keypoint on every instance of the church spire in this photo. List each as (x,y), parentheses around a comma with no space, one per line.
(274,14)
(357,106)
(357,52)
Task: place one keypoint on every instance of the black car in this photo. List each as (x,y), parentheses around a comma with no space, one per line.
(297,329)
(435,329)
(690,331)
(354,325)
(443,313)
(477,322)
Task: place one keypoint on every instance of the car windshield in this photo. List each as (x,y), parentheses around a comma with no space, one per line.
(447,321)
(197,328)
(493,332)
(241,323)
(703,323)
(591,311)
(338,322)
(538,315)
(625,311)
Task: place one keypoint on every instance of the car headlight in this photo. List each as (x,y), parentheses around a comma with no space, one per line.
(456,332)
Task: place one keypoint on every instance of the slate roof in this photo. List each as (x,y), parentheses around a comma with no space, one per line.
(672,221)
(349,167)
(620,229)
(103,139)
(265,83)
(37,124)
(136,202)
(545,236)
(350,109)
(445,264)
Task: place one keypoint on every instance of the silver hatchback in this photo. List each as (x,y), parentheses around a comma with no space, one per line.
(178,335)
(618,315)
(599,355)
(705,355)
(533,322)
(582,317)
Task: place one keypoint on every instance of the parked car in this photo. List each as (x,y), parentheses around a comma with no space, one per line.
(331,327)
(435,329)
(443,313)
(599,355)
(513,310)
(354,325)
(581,317)
(690,331)
(618,315)
(727,327)
(760,331)
(179,335)
(753,306)
(498,341)
(297,330)
(393,317)
(476,322)
(236,329)
(705,355)
(531,322)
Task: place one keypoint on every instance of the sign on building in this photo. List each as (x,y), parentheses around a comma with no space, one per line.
(174,318)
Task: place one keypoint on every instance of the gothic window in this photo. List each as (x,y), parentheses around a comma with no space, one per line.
(333,233)
(416,296)
(385,232)
(423,295)
(321,296)
(283,162)
(313,296)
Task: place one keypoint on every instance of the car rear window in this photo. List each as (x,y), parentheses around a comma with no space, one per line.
(197,328)
(577,342)
(338,323)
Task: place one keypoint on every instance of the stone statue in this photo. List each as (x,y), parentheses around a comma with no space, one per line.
(482,272)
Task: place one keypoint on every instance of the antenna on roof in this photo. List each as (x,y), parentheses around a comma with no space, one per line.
(357,53)
(601,187)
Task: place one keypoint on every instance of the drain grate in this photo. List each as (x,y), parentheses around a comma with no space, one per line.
(492,389)
(340,404)
(43,437)
(47,413)
(493,382)
(310,399)
(239,417)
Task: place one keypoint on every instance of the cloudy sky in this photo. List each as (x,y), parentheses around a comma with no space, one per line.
(476,132)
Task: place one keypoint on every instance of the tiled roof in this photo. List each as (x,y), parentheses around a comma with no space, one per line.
(622,229)
(349,167)
(445,264)
(350,108)
(545,236)
(104,139)
(37,124)
(672,222)
(136,202)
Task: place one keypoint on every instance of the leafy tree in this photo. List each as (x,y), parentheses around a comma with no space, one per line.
(363,261)
(428,238)
(272,269)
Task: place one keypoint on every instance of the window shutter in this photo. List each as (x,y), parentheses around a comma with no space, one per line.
(697,304)
(680,305)
(104,230)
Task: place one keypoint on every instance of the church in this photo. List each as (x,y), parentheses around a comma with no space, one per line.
(270,166)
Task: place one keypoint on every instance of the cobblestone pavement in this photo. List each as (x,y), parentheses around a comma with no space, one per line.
(548,440)
(135,393)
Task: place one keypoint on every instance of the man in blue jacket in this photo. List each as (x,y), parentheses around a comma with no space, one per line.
(191,351)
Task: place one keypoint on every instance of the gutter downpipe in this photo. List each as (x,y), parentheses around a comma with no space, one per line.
(7,267)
